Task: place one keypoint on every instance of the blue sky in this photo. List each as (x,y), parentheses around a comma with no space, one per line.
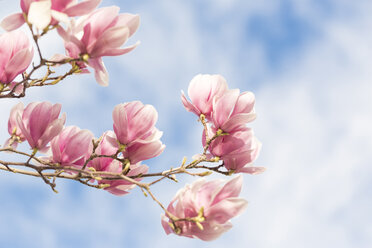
(308,63)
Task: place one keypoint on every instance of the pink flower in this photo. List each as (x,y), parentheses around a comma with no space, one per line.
(47,12)
(203,89)
(233,110)
(237,150)
(121,187)
(134,121)
(72,147)
(109,146)
(16,55)
(39,123)
(217,201)
(100,34)
(13,128)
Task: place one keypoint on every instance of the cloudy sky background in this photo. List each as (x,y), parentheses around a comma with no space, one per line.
(308,63)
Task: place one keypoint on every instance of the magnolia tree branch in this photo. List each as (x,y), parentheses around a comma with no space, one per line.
(18,89)
(113,162)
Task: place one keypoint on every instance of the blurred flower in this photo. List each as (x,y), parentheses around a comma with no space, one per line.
(16,55)
(102,33)
(211,204)
(72,147)
(39,123)
(47,12)
(203,89)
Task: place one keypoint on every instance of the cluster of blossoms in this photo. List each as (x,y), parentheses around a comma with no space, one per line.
(95,34)
(201,210)
(134,139)
(224,114)
(227,112)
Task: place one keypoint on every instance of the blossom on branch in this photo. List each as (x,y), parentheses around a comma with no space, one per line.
(203,209)
(225,113)
(72,147)
(134,126)
(39,124)
(238,151)
(109,147)
(203,89)
(47,12)
(16,54)
(101,33)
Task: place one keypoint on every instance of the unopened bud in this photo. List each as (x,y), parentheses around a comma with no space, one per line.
(205,173)
(104,185)
(85,57)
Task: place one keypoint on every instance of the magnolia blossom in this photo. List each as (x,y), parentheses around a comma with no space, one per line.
(16,55)
(108,146)
(212,203)
(121,186)
(203,90)
(72,147)
(13,128)
(39,123)
(42,13)
(134,121)
(102,33)
(237,150)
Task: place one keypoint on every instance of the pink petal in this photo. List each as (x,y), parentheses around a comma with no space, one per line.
(18,63)
(80,145)
(111,38)
(252,170)
(14,112)
(223,107)
(137,169)
(245,103)
(211,231)
(25,132)
(53,130)
(100,71)
(119,51)
(129,20)
(140,152)
(82,8)
(98,22)
(226,209)
(188,105)
(120,119)
(231,189)
(143,121)
(238,120)
(12,21)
